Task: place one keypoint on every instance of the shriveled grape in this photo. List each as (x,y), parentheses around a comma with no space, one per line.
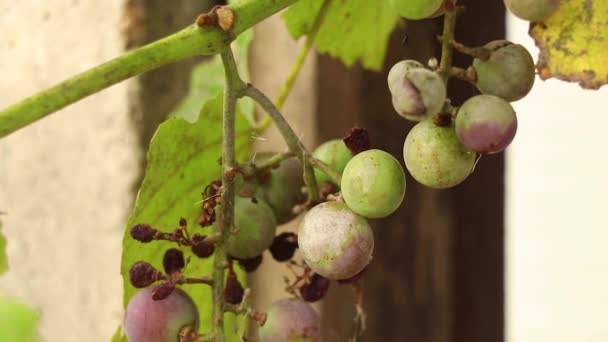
(291,320)
(417,93)
(256,226)
(486,124)
(509,72)
(373,184)
(435,157)
(335,242)
(149,320)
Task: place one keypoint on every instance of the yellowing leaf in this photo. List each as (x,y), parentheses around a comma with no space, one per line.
(573,43)
(352,29)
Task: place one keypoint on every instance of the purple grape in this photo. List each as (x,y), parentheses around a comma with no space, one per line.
(486,124)
(147,320)
(291,320)
(316,289)
(284,246)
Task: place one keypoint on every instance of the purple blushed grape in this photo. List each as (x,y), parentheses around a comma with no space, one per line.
(373,184)
(147,320)
(335,242)
(143,274)
(316,289)
(291,320)
(509,72)
(284,246)
(486,124)
(202,248)
(256,226)
(532,10)
(435,157)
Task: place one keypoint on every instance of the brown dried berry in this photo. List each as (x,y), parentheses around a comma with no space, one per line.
(316,289)
(173,261)
(284,246)
(357,140)
(143,233)
(162,290)
(203,249)
(250,265)
(143,274)
(233,292)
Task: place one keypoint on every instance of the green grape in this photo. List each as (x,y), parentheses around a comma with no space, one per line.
(256,227)
(508,73)
(335,242)
(417,93)
(532,10)
(434,156)
(283,190)
(333,153)
(417,9)
(373,184)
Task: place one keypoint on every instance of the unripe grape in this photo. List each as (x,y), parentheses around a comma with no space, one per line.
(486,124)
(508,73)
(333,153)
(335,242)
(532,10)
(149,320)
(373,184)
(291,320)
(417,9)
(283,190)
(434,156)
(417,93)
(256,226)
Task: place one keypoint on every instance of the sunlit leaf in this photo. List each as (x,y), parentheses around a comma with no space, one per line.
(18,322)
(573,43)
(352,30)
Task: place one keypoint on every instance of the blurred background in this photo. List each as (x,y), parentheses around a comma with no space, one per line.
(516,253)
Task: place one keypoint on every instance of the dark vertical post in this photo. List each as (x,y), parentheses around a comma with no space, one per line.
(437,273)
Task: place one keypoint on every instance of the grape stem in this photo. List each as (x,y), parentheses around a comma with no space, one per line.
(335,176)
(191,41)
(467,75)
(296,67)
(447,49)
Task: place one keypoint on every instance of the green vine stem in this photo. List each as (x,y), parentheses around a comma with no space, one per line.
(335,176)
(291,139)
(447,49)
(296,67)
(192,41)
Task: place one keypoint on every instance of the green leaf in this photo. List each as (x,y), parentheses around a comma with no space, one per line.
(119,335)
(18,322)
(352,30)
(573,43)
(3,258)
(207,80)
(183,158)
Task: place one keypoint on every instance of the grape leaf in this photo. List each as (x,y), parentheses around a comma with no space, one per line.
(18,322)
(573,43)
(3,258)
(351,30)
(207,79)
(183,158)
(119,336)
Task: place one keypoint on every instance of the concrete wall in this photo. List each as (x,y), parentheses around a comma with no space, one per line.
(67,182)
